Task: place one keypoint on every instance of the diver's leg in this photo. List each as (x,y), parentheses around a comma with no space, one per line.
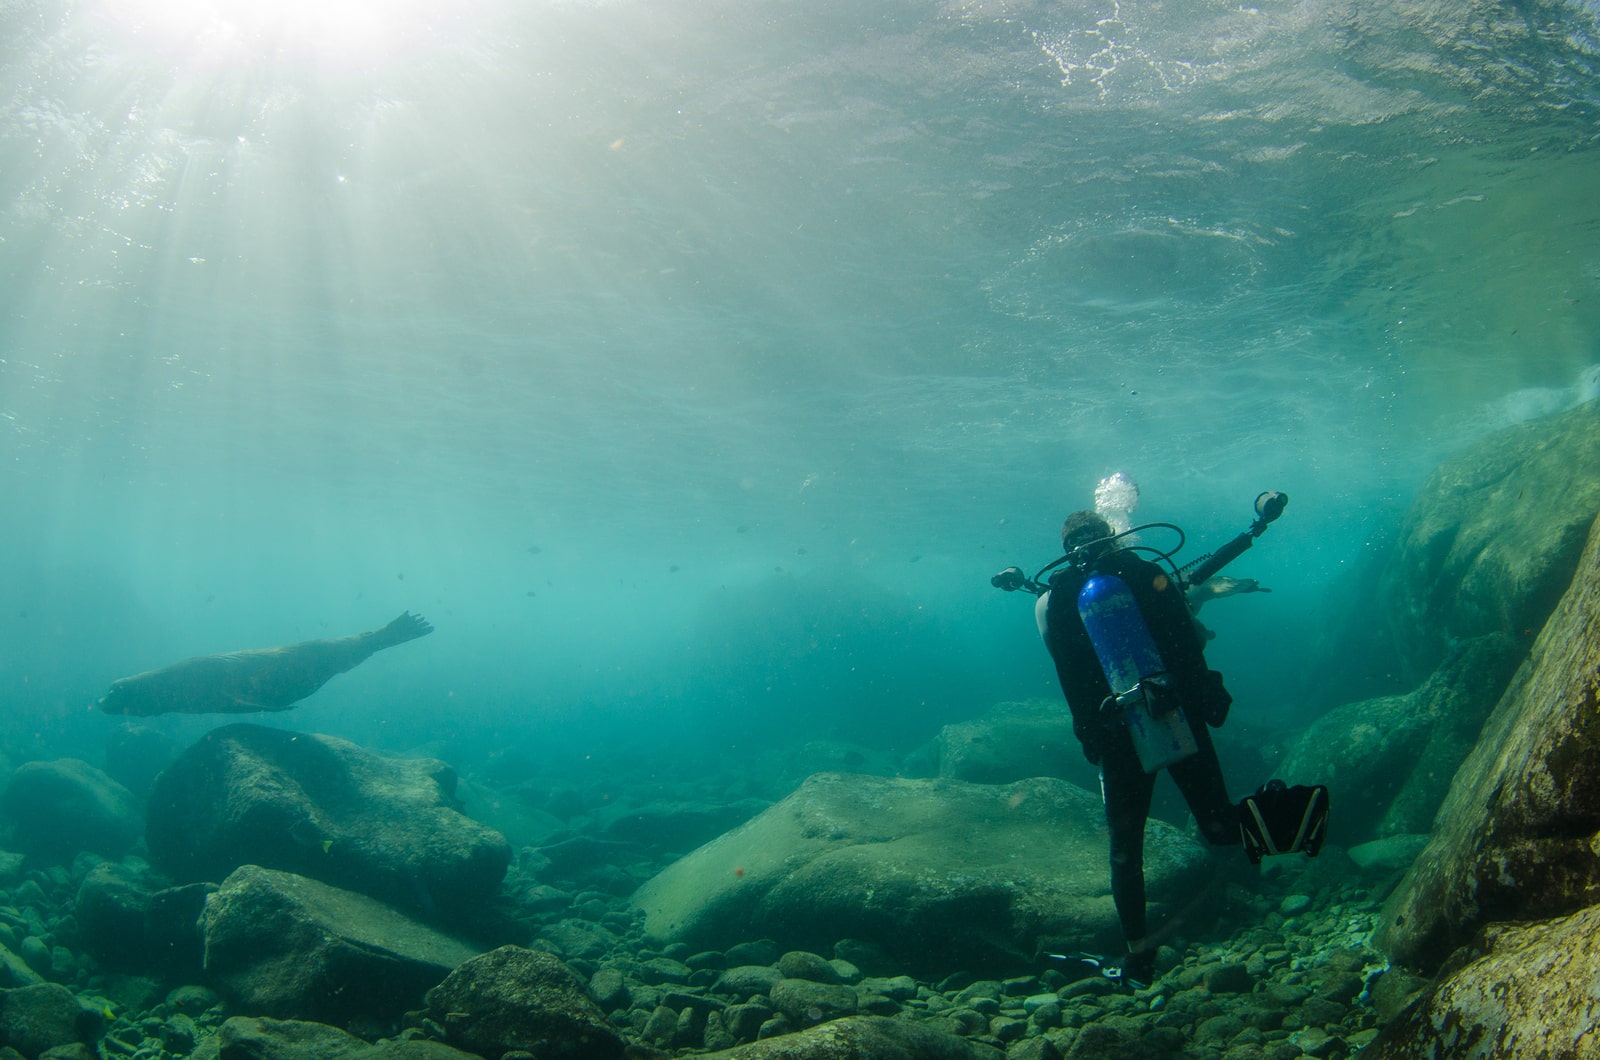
(1127,789)
(1199,778)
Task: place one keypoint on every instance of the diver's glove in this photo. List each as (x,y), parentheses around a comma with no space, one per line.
(1214,699)
(1096,735)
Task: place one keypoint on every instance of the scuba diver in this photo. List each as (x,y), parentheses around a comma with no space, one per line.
(1129,653)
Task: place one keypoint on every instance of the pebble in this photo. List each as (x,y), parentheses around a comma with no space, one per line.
(1294,904)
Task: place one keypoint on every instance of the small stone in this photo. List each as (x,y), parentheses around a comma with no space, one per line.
(764,951)
(691,1030)
(1034,1002)
(659,970)
(807,1003)
(609,989)
(983,988)
(661,1027)
(747,980)
(800,964)
(192,999)
(708,959)
(1218,1030)
(955,981)
(1289,995)
(63,964)
(1046,1016)
(877,1005)
(1040,1048)
(179,1035)
(717,1034)
(774,1027)
(868,956)
(1294,904)
(36,954)
(545,899)
(744,1022)
(1393,991)
(1228,979)
(1008,1029)
(1093,986)
(968,1022)
(848,973)
(900,987)
(70,1051)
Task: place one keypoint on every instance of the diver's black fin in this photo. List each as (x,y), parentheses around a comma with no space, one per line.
(1089,964)
(1279,819)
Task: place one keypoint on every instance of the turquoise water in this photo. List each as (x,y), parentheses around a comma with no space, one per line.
(692,365)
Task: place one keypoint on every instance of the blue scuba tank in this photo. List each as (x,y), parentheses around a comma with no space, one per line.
(1129,658)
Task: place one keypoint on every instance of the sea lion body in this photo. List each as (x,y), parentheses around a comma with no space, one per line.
(261,679)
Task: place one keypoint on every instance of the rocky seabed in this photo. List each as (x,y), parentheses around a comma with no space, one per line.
(1285,972)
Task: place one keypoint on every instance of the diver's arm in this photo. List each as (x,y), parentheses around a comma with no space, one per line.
(1041,615)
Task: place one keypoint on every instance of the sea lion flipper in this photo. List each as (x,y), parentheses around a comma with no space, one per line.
(406,627)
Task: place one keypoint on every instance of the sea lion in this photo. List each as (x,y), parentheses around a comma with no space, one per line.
(244,682)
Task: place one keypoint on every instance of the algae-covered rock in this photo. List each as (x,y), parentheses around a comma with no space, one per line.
(942,874)
(864,1038)
(290,947)
(1493,538)
(1388,761)
(112,905)
(322,807)
(251,1038)
(1518,836)
(1390,852)
(515,999)
(1530,993)
(45,1016)
(1014,741)
(57,809)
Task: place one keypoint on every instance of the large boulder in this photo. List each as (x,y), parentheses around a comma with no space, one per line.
(673,825)
(1014,741)
(864,1038)
(1493,538)
(1530,993)
(527,1001)
(1388,761)
(61,808)
(322,807)
(46,1016)
(250,1038)
(1518,837)
(286,946)
(14,971)
(136,754)
(131,923)
(941,874)
(172,941)
(112,904)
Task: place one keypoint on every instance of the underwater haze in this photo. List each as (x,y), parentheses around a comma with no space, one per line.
(692,364)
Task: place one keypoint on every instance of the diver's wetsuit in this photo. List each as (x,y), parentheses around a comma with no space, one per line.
(1125,786)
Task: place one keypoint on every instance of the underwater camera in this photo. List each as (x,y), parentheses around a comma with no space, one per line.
(1269,505)
(1011,579)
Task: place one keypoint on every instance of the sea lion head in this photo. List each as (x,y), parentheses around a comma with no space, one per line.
(121,698)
